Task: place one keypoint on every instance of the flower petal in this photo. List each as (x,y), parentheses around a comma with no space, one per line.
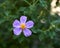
(16,24)
(17,31)
(27,32)
(23,19)
(29,24)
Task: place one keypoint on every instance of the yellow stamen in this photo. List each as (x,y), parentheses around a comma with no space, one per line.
(22,26)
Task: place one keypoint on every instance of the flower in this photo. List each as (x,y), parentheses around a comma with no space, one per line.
(22,25)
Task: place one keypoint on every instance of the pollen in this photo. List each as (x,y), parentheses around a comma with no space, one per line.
(22,26)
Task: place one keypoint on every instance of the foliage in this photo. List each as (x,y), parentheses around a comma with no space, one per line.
(46,31)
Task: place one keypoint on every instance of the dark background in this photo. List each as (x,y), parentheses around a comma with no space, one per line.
(46,30)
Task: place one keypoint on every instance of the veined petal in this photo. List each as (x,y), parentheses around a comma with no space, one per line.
(16,24)
(27,32)
(29,24)
(17,31)
(23,19)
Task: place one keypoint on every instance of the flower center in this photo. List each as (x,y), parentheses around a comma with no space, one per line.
(23,26)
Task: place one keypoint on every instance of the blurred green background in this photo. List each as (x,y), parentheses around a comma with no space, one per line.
(45,33)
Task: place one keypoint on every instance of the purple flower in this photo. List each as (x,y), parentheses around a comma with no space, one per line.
(22,25)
